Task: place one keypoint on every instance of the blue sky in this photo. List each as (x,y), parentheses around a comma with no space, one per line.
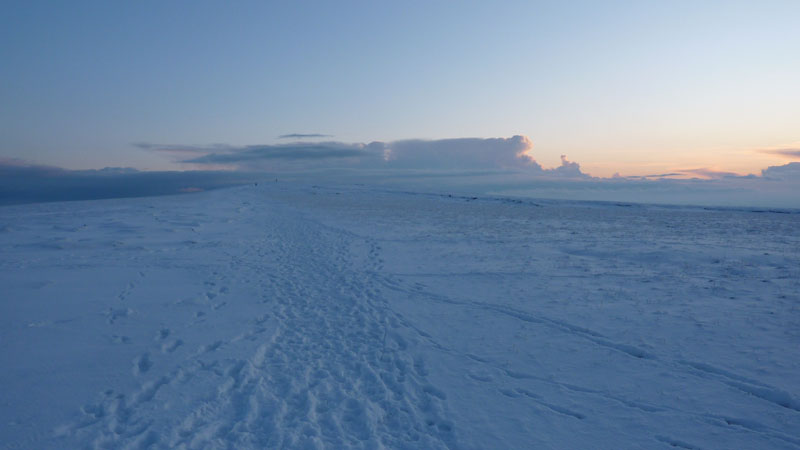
(636,87)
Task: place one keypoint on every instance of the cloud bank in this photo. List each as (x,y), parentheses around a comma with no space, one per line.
(464,153)
(512,153)
(501,166)
(496,166)
(253,156)
(27,183)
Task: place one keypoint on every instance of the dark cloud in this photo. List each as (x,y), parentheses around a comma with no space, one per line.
(658,175)
(12,166)
(265,157)
(179,152)
(296,154)
(27,183)
(790,152)
(709,173)
(304,136)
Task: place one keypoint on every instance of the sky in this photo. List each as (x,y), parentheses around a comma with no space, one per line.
(633,88)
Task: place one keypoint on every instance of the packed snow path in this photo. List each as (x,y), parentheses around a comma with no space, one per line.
(302,317)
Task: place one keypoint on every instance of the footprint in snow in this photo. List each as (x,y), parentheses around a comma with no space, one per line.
(120,339)
(162,334)
(141,364)
(171,346)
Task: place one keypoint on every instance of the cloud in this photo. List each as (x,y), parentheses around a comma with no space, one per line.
(704,172)
(304,136)
(777,186)
(502,166)
(464,153)
(265,157)
(8,166)
(289,152)
(474,154)
(418,154)
(179,152)
(709,173)
(657,175)
(568,169)
(788,172)
(161,148)
(22,182)
(790,152)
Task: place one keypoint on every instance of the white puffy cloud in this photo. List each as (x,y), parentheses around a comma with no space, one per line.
(787,172)
(463,153)
(567,169)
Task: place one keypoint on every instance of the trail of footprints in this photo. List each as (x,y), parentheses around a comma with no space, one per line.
(167,344)
(332,367)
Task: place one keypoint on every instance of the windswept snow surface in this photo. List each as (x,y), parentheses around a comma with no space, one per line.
(291,316)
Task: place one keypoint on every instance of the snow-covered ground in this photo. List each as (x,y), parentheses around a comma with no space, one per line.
(291,316)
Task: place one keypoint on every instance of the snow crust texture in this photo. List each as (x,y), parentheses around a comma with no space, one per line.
(290,316)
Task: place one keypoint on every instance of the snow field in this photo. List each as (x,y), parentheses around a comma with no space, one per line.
(290,316)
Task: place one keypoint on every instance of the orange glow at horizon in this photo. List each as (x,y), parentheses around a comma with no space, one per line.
(647,162)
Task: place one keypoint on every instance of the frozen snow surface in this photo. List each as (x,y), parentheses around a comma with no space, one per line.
(295,316)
